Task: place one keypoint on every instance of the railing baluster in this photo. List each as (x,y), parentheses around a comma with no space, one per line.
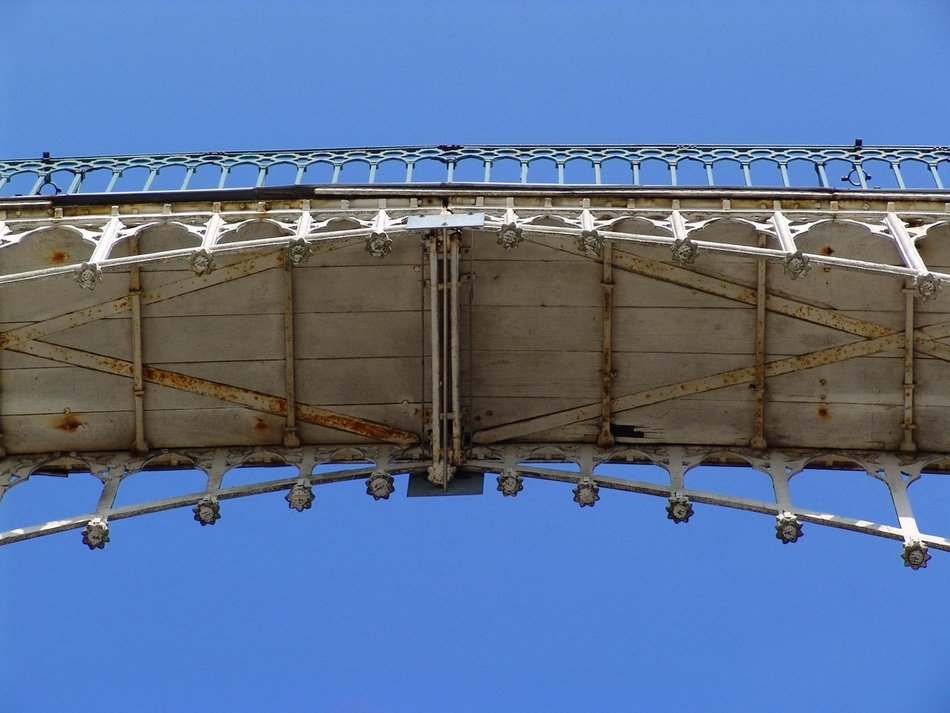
(936,175)
(897,174)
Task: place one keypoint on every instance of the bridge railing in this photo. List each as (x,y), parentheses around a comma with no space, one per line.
(843,167)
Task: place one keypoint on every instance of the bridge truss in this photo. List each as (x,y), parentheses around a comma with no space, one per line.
(448,330)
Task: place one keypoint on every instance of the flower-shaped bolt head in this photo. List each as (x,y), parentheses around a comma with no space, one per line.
(207,512)
(510,482)
(586,493)
(202,262)
(88,275)
(684,251)
(796,265)
(300,497)
(510,236)
(590,243)
(679,509)
(96,534)
(379,245)
(915,555)
(927,286)
(380,485)
(787,528)
(299,251)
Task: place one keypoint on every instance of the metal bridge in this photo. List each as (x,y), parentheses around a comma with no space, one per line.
(440,313)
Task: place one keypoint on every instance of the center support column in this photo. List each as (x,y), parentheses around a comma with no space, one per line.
(446,446)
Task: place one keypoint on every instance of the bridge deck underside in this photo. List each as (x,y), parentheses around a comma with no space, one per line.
(621,346)
(532,325)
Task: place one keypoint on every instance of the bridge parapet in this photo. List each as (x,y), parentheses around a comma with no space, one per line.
(857,166)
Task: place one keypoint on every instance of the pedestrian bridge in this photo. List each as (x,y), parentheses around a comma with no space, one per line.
(430,315)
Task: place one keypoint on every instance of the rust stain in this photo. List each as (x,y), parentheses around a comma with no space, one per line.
(826,250)
(70,423)
(823,413)
(260,424)
(58,257)
(277,405)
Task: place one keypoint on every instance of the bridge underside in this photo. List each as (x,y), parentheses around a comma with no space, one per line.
(454,330)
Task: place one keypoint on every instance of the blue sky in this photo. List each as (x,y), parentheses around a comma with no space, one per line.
(491,603)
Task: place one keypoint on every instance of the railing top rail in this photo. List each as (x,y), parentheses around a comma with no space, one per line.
(856,166)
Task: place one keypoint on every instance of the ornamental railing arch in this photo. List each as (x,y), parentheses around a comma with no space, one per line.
(54,175)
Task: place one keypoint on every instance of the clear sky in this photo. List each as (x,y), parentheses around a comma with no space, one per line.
(490,603)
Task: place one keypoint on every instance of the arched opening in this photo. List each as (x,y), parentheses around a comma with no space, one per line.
(930,497)
(731,480)
(645,472)
(429,170)
(281,174)
(96,181)
(45,497)
(149,485)
(317,173)
(690,172)
(205,176)
(242,175)
(169,178)
(542,170)
(19,184)
(506,170)
(469,170)
(655,172)
(803,174)
(579,171)
(131,180)
(916,174)
(616,172)
(251,474)
(391,171)
(354,172)
(849,493)
(765,172)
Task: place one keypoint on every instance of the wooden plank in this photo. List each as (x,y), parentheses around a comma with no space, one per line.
(334,335)
(112,336)
(867,380)
(931,433)
(35,300)
(258,293)
(219,338)
(330,382)
(536,374)
(524,328)
(551,284)
(639,371)
(833,426)
(111,430)
(51,390)
(373,288)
